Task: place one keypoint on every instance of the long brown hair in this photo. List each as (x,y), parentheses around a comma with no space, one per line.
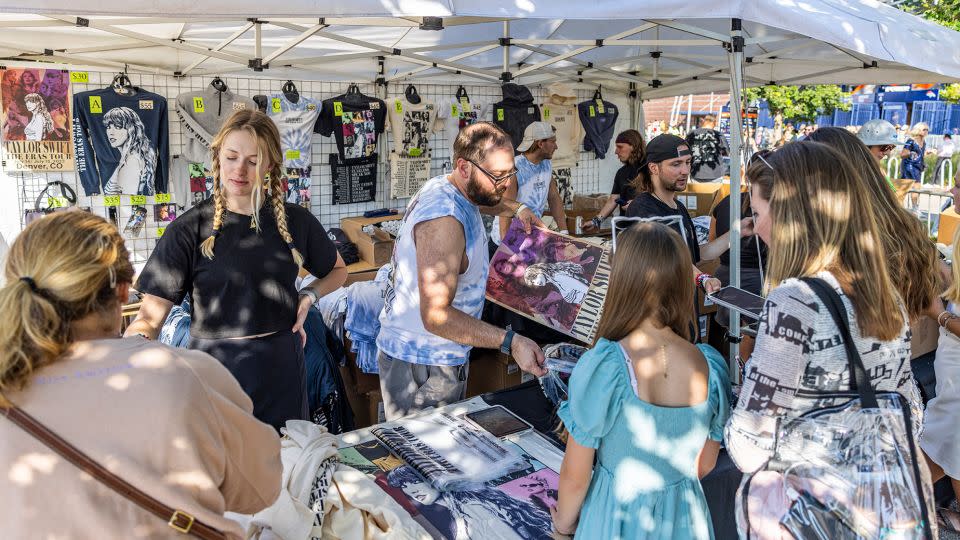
(911,255)
(267,136)
(61,268)
(822,221)
(651,277)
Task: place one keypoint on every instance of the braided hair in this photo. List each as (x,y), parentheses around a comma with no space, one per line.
(267,136)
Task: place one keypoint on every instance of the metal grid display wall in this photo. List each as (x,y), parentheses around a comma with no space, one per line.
(585,177)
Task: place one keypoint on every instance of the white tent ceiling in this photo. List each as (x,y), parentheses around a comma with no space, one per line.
(787,41)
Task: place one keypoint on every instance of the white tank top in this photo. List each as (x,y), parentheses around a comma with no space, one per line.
(402,335)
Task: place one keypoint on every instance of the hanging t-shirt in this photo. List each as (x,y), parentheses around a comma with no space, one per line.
(707,147)
(355,121)
(560,111)
(599,120)
(460,113)
(295,122)
(411,125)
(533,181)
(121,142)
(191,182)
(202,114)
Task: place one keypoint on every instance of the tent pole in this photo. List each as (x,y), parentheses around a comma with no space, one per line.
(505,43)
(736,143)
(689,110)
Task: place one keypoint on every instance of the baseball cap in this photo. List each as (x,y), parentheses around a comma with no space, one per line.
(664,147)
(348,250)
(878,132)
(536,131)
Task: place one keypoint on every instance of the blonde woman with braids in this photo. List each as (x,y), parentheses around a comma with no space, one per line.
(172,422)
(238,255)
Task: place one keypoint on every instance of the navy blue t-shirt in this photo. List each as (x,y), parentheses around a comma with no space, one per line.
(121,142)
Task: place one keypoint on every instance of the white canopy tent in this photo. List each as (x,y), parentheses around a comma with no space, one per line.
(652,48)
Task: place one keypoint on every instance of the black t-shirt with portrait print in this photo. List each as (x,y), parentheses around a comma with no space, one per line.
(248,288)
(623,182)
(647,205)
(356,122)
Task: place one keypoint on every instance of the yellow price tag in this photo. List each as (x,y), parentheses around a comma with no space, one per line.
(398,106)
(198,104)
(162,198)
(454,111)
(337,108)
(600,106)
(275,104)
(293,154)
(96,106)
(160,231)
(57,202)
(138,199)
(593,112)
(500,115)
(81,77)
(416,152)
(546,113)
(465,102)
(111,200)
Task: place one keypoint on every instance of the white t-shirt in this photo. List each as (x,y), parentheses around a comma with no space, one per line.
(947,148)
(457,115)
(566,120)
(411,125)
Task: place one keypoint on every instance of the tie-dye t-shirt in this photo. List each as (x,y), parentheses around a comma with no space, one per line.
(402,335)
(295,122)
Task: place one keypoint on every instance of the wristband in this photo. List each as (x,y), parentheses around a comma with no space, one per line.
(507,344)
(597,221)
(519,208)
(311,293)
(944,318)
(702,278)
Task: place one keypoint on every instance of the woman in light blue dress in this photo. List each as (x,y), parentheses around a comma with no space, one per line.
(645,402)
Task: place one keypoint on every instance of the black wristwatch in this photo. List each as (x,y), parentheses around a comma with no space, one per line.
(507,342)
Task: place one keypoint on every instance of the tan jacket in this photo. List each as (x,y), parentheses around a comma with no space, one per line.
(173,422)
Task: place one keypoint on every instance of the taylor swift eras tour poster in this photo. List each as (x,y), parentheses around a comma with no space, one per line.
(36,119)
(554,279)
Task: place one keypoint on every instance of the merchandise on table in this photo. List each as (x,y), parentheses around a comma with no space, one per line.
(121,141)
(362,323)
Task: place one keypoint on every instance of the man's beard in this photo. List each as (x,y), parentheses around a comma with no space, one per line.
(476,194)
(672,186)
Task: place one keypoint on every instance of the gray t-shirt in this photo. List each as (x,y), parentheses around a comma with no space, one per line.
(708,148)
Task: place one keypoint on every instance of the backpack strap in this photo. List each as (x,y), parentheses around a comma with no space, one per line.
(859,381)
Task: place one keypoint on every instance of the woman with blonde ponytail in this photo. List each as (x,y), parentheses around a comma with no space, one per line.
(238,255)
(172,422)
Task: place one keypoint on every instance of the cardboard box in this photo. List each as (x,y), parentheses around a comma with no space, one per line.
(375,407)
(699,197)
(491,370)
(949,220)
(594,202)
(360,271)
(376,249)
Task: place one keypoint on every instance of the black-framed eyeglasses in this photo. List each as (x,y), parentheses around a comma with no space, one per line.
(497,180)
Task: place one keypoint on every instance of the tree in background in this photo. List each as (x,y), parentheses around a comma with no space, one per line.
(945,12)
(801,103)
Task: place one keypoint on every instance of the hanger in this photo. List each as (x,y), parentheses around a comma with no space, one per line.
(218,85)
(462,94)
(290,92)
(598,94)
(353,94)
(121,83)
(411,94)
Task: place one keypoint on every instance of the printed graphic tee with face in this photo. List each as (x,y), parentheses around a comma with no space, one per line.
(411,125)
(295,122)
(355,121)
(457,114)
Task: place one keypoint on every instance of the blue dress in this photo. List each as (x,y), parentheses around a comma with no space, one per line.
(645,483)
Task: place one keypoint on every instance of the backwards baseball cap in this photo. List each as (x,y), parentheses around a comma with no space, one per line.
(537,131)
(664,147)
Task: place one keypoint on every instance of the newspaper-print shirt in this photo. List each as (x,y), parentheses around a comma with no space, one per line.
(799,351)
